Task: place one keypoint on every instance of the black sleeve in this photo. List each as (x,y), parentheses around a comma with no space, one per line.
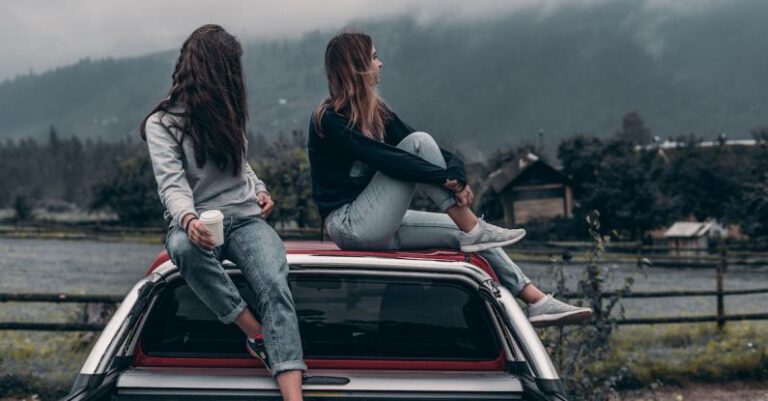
(455,163)
(388,159)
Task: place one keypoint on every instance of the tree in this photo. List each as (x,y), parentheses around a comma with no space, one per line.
(617,179)
(707,182)
(755,207)
(130,191)
(624,191)
(760,134)
(23,204)
(633,130)
(581,156)
(286,173)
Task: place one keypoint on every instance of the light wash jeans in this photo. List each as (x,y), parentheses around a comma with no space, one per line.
(256,249)
(379,218)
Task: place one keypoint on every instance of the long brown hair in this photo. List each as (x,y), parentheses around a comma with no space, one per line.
(352,85)
(209,88)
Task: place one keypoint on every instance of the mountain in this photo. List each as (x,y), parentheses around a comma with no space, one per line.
(483,82)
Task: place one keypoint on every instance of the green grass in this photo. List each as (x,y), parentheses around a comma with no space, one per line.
(40,363)
(681,354)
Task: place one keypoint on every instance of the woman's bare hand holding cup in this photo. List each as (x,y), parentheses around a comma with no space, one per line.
(198,233)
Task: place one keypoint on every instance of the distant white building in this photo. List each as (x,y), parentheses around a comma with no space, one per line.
(692,238)
(703,144)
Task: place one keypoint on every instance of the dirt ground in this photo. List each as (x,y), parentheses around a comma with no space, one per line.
(703,392)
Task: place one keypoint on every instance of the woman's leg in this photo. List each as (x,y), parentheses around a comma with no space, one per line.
(420,230)
(260,254)
(372,218)
(204,274)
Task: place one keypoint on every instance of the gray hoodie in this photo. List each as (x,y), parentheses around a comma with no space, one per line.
(185,188)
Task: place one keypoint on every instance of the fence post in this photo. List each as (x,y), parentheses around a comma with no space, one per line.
(721,267)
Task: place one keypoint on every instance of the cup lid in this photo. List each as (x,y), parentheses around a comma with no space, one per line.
(211,216)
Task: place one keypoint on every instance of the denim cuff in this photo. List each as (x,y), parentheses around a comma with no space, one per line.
(518,288)
(447,203)
(231,316)
(287,366)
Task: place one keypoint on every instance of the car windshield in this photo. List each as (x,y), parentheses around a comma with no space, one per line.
(341,317)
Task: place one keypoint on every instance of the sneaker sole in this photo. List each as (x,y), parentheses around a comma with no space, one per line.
(255,355)
(560,319)
(490,245)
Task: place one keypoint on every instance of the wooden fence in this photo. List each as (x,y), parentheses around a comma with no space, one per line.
(719,263)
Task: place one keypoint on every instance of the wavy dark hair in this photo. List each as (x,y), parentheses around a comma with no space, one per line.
(208,90)
(352,85)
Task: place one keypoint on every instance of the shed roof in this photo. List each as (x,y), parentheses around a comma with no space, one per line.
(686,229)
(513,169)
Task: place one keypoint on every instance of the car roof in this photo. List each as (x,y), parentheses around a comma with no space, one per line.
(328,248)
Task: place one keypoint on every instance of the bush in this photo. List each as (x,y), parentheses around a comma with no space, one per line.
(23,205)
(581,352)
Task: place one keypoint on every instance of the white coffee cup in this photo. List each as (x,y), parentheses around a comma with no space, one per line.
(214,222)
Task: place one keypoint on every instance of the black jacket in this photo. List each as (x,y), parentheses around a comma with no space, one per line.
(336,177)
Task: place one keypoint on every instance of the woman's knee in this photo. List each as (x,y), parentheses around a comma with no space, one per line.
(184,254)
(422,144)
(416,140)
(179,245)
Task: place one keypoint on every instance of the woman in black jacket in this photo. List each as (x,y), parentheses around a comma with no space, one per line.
(366,163)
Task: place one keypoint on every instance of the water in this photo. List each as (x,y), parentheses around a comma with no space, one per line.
(67,266)
(91,267)
(87,267)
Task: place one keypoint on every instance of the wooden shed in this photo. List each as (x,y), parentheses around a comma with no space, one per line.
(690,238)
(531,189)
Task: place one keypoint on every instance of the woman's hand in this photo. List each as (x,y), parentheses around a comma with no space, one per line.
(266,203)
(198,233)
(465,197)
(453,185)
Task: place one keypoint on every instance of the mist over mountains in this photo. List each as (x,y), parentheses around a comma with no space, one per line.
(481,82)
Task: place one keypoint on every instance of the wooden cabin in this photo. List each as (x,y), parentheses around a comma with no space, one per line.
(531,189)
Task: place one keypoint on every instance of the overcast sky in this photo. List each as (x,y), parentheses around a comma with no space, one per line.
(40,35)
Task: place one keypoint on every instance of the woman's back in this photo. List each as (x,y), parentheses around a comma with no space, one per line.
(173,157)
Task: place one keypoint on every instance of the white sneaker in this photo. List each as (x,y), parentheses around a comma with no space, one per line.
(548,311)
(487,236)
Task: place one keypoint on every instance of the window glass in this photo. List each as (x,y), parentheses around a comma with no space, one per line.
(341,317)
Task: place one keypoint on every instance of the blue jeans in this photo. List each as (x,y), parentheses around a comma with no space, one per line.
(379,218)
(256,249)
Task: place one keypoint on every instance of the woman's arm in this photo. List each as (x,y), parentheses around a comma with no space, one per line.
(388,159)
(398,129)
(166,152)
(263,197)
(258,184)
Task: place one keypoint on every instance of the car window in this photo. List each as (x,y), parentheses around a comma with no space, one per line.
(341,317)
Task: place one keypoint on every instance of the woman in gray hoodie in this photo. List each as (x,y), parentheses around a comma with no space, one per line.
(197,143)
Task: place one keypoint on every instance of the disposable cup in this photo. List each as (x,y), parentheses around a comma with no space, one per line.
(214,222)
